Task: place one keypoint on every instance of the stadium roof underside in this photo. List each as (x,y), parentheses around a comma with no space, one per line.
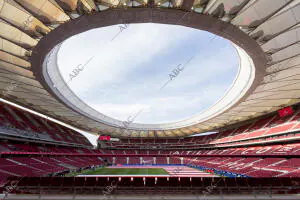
(267,30)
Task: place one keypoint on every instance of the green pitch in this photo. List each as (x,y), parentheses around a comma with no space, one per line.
(127,171)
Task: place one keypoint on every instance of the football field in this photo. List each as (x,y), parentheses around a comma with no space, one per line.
(144,170)
(128,171)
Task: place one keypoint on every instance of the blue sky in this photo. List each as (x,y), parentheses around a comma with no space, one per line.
(126,74)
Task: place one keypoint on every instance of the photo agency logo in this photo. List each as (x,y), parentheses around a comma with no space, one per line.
(124,25)
(78,69)
(179,68)
(275,72)
(126,124)
(209,189)
(185,16)
(175,72)
(179,169)
(27,22)
(107,192)
(9,89)
(273,75)
(121,29)
(10,187)
(278,68)
(26,25)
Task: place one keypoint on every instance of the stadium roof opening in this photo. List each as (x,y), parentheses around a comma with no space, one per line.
(149,73)
(177,85)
